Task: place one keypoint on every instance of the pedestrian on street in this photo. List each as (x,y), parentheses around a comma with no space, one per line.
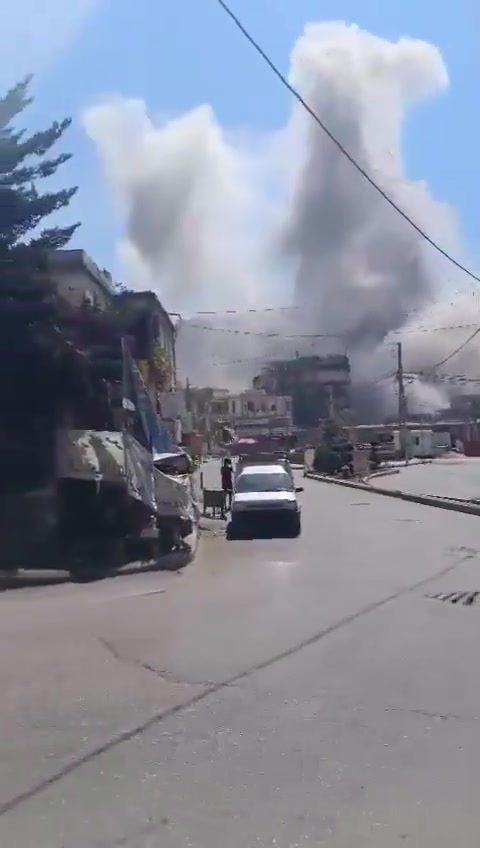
(227,483)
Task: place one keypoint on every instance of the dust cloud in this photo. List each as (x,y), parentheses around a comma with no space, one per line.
(214,224)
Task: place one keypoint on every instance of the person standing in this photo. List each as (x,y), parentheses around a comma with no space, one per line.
(227,483)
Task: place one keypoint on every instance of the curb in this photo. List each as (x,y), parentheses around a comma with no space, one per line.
(425,500)
(386,473)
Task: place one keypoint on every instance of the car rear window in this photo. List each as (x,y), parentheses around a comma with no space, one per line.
(278,482)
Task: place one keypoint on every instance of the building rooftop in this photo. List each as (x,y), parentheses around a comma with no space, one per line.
(80,259)
(144,298)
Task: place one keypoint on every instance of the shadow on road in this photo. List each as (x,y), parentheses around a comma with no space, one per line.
(32,579)
(258,533)
(175,561)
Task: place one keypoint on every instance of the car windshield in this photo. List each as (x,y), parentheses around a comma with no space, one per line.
(279,482)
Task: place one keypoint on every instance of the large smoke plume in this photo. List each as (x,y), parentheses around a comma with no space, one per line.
(215,223)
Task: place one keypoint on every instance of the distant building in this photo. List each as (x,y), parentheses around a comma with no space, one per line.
(203,405)
(174,413)
(254,411)
(319,386)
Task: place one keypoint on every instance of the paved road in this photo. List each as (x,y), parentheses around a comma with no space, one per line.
(454,477)
(277,693)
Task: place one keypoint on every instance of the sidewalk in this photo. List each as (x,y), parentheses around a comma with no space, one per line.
(456,477)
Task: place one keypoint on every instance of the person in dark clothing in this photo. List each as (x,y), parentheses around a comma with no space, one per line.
(227,483)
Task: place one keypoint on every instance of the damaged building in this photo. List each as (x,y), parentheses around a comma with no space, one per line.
(319,386)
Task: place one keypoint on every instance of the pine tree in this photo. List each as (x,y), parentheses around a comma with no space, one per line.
(23,163)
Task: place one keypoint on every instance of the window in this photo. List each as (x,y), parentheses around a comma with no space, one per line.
(278,482)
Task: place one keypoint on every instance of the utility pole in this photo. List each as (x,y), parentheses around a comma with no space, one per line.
(331,404)
(402,405)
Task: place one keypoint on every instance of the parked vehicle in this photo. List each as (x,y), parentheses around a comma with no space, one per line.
(424,444)
(265,494)
(264,458)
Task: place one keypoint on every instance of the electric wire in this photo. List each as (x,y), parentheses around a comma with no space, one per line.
(364,173)
(296,94)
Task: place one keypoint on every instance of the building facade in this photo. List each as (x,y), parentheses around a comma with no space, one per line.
(319,386)
(152,335)
(254,411)
(79,280)
(140,315)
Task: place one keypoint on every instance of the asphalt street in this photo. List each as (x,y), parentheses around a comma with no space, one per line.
(277,692)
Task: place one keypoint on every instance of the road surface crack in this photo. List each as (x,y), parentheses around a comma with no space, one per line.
(214,688)
(161,673)
(431,715)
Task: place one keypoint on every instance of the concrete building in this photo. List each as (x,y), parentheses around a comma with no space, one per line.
(318,386)
(251,403)
(205,405)
(140,315)
(152,334)
(174,413)
(254,411)
(157,326)
(79,280)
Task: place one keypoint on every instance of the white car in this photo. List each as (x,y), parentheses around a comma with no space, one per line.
(265,494)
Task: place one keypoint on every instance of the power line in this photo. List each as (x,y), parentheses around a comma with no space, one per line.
(296,308)
(340,336)
(261,310)
(460,379)
(296,94)
(270,357)
(415,330)
(266,335)
(454,352)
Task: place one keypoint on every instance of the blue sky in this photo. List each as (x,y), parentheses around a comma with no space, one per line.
(176,55)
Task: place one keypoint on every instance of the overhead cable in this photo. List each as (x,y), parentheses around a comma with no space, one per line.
(296,94)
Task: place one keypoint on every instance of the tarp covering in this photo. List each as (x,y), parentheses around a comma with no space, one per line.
(90,455)
(135,394)
(106,457)
(115,457)
(139,472)
(175,496)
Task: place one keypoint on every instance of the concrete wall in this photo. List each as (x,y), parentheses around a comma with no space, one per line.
(79,280)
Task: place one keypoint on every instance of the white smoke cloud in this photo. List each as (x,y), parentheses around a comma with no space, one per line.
(187,199)
(218,221)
